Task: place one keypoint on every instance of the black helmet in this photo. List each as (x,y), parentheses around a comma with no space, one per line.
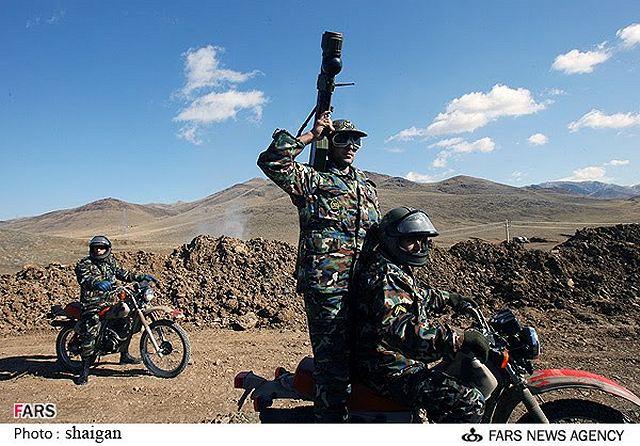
(99,241)
(401,223)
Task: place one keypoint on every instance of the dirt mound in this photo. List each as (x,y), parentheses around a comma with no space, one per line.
(229,283)
(595,272)
(226,282)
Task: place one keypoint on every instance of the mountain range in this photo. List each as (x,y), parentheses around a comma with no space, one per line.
(461,207)
(593,189)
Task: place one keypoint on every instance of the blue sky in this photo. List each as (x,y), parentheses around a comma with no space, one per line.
(167,101)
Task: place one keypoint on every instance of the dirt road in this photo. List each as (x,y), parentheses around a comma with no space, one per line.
(204,392)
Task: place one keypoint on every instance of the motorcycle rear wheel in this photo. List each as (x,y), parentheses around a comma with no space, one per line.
(578,411)
(175,347)
(66,358)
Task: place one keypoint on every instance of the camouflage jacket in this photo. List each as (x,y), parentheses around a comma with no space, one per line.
(392,317)
(335,210)
(89,272)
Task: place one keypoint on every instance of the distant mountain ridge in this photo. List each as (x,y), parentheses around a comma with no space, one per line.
(460,207)
(592,189)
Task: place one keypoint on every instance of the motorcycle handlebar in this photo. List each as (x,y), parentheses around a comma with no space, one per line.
(479,318)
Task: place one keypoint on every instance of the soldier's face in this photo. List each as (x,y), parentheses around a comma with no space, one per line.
(414,245)
(344,153)
(99,250)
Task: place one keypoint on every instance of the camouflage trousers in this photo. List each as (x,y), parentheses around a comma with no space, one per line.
(328,330)
(445,399)
(88,328)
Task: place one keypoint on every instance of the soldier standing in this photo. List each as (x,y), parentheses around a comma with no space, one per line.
(335,208)
(96,274)
(394,338)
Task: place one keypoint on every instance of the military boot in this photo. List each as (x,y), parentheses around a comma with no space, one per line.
(126,358)
(83,377)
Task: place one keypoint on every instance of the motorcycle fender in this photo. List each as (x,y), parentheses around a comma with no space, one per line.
(547,380)
(164,309)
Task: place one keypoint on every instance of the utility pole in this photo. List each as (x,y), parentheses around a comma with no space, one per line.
(507,225)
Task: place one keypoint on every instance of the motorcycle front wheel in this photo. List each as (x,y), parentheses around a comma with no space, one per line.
(67,349)
(174,347)
(577,411)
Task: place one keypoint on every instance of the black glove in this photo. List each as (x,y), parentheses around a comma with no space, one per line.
(461,303)
(146,278)
(476,344)
(103,285)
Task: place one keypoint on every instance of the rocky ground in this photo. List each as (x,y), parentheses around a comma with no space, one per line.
(242,312)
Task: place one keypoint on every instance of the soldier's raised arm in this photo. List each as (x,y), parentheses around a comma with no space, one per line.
(278,161)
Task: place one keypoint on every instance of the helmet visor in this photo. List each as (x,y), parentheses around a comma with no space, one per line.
(416,223)
(415,244)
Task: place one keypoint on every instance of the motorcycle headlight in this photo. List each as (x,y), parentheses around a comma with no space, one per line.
(148,294)
(530,342)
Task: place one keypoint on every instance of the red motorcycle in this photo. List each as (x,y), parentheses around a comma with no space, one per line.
(513,391)
(164,345)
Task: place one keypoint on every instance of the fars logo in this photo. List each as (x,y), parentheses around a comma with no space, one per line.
(34,410)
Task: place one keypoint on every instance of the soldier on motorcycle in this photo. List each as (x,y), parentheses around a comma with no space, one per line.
(96,275)
(394,337)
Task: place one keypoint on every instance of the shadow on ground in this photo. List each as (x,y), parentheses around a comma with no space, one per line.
(46,366)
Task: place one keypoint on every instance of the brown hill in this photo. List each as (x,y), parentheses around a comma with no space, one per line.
(461,207)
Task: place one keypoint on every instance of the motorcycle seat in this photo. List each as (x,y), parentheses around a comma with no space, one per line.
(73,309)
(362,398)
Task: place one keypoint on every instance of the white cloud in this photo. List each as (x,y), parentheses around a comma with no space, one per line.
(591,173)
(55,18)
(190,133)
(420,178)
(448,142)
(538,139)
(458,146)
(474,110)
(218,107)
(394,149)
(617,163)
(517,175)
(554,92)
(595,119)
(576,61)
(408,134)
(441,160)
(630,35)
(211,95)
(202,69)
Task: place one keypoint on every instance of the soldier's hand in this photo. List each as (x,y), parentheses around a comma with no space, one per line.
(103,285)
(146,278)
(461,303)
(475,343)
(322,125)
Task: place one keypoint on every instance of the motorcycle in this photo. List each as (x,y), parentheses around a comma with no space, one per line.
(513,390)
(164,345)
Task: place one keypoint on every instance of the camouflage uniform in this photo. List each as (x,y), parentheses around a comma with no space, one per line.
(394,341)
(88,273)
(335,210)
